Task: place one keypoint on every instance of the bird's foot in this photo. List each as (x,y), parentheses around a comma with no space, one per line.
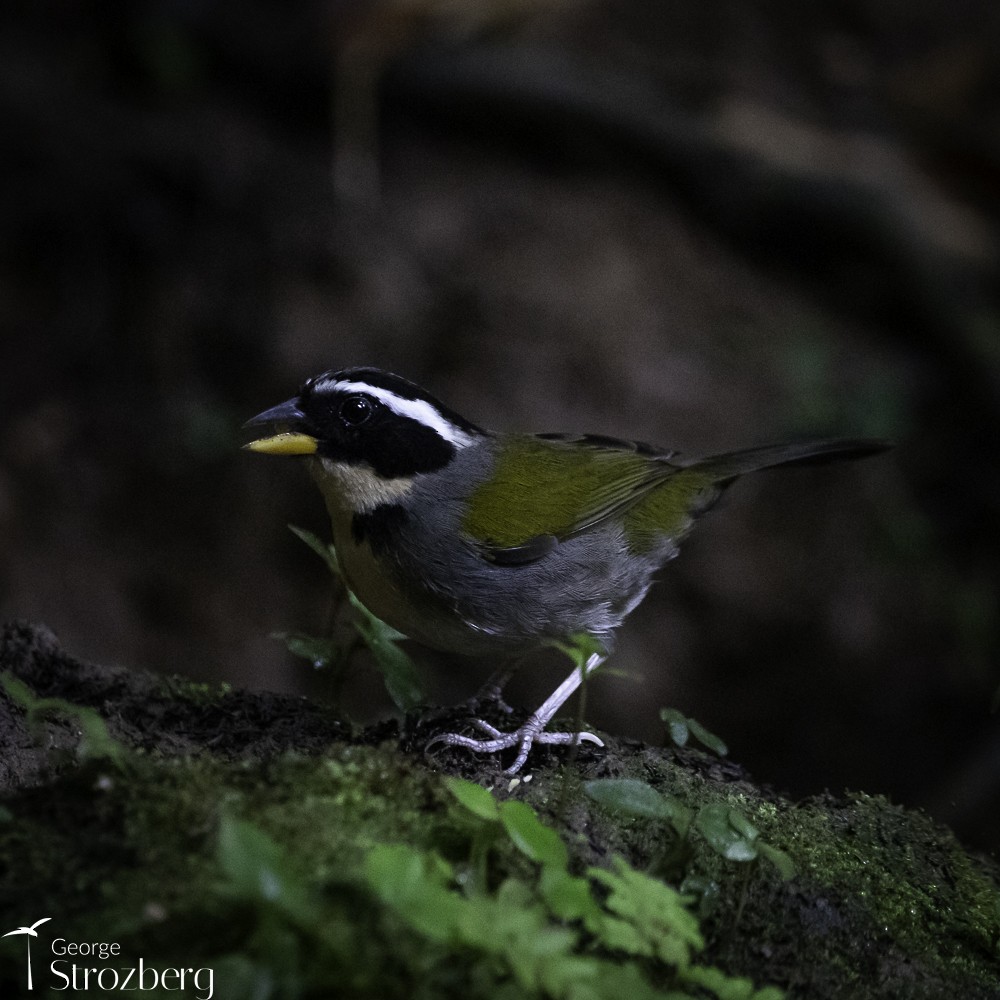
(524,738)
(533,731)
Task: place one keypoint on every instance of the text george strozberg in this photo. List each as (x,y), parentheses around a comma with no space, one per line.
(140,977)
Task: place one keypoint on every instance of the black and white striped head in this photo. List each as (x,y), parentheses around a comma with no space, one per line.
(366,417)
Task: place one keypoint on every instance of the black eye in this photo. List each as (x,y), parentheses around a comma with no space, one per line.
(355,410)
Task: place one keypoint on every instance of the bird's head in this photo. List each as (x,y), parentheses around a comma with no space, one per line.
(365,425)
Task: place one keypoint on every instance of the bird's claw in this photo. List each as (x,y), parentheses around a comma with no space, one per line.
(524,738)
(533,731)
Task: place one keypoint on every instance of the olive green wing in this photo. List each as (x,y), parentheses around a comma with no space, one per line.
(547,488)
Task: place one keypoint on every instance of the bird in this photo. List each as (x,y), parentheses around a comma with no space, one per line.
(32,930)
(29,933)
(492,543)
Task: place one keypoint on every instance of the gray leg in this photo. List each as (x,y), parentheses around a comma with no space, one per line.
(533,731)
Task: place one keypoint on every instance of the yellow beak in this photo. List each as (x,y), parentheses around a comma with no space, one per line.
(285,443)
(282,437)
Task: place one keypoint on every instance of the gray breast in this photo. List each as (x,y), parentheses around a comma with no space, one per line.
(463,602)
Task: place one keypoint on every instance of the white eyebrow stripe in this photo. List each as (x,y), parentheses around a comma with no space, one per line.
(415,409)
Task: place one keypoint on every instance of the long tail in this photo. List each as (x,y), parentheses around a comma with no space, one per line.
(726,467)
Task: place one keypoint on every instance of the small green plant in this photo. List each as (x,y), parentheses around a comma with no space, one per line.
(95,742)
(579,647)
(680,729)
(258,871)
(402,680)
(730,834)
(288,931)
(547,934)
(600,935)
(725,829)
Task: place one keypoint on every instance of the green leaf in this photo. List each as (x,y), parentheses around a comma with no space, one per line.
(704,890)
(623,982)
(729,987)
(742,825)
(657,912)
(778,858)
(326,552)
(414,884)
(528,932)
(723,986)
(635,798)
(579,648)
(707,739)
(517,930)
(380,631)
(680,728)
(677,726)
(715,825)
(475,798)
(623,935)
(569,897)
(259,870)
(96,743)
(402,679)
(318,651)
(532,837)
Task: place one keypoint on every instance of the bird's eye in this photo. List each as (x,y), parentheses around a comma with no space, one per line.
(355,410)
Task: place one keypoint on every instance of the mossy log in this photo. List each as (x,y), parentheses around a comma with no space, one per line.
(115,785)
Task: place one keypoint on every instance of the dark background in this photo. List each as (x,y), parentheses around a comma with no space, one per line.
(706,225)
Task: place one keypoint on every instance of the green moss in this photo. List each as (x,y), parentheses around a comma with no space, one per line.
(258,863)
(888,874)
(911,875)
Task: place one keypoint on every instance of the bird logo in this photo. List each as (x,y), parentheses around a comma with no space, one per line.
(29,933)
